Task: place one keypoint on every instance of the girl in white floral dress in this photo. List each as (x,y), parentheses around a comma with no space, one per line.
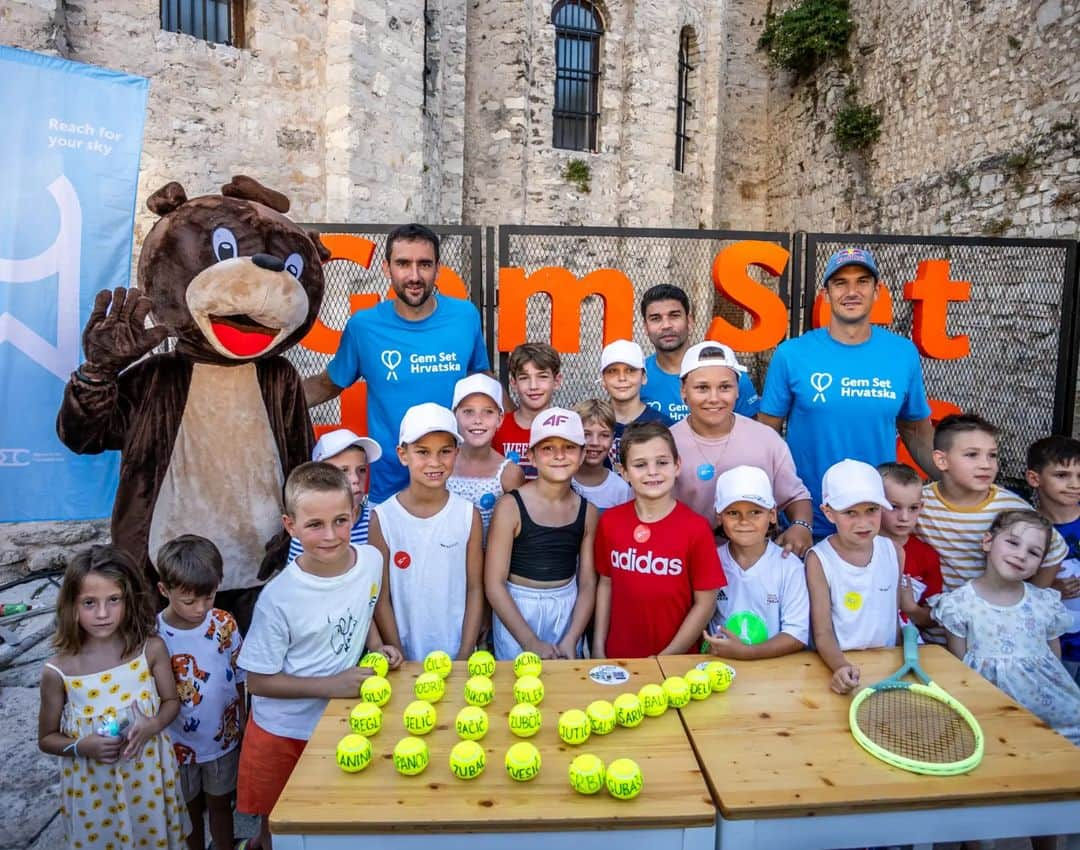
(106,699)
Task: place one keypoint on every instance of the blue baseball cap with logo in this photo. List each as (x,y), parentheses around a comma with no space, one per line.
(850,257)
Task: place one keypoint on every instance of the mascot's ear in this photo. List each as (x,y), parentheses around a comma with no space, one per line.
(323,251)
(169,197)
(248,189)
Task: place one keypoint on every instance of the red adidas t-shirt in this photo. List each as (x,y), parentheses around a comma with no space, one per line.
(922,562)
(654,568)
(512,441)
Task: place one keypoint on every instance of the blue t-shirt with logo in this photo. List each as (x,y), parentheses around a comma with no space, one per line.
(406,363)
(842,401)
(663,393)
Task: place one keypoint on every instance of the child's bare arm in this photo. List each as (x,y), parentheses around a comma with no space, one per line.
(602,618)
(1055,646)
(145,727)
(726,644)
(845,674)
(384,607)
(701,611)
(376,643)
(345,684)
(955,644)
(586,587)
(474,587)
(1045,575)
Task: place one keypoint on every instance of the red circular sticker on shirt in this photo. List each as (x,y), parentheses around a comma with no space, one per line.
(642,533)
(402,559)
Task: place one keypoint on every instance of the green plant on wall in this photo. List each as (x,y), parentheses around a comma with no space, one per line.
(807,34)
(577,173)
(857,127)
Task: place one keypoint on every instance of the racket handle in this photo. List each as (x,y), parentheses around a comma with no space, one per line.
(911,645)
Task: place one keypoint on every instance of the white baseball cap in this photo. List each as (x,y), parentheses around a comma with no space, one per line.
(724,356)
(622,351)
(852,482)
(335,442)
(427,418)
(478,383)
(744,484)
(557,422)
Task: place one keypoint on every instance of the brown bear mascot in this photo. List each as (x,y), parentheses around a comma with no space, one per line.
(209,431)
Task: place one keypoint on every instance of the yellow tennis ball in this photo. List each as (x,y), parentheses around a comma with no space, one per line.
(479,690)
(586,774)
(419,717)
(522,761)
(678,692)
(601,714)
(699,682)
(375,689)
(574,726)
(467,760)
(471,723)
(529,689)
(377,662)
(720,675)
(528,664)
(628,711)
(654,701)
(439,663)
(353,753)
(410,756)
(365,718)
(429,687)
(482,663)
(525,720)
(624,779)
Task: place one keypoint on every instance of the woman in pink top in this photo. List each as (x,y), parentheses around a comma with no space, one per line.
(714,438)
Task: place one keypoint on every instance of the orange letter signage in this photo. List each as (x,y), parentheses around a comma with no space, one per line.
(768,315)
(932,291)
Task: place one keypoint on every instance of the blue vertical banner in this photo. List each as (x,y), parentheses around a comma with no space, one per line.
(69,168)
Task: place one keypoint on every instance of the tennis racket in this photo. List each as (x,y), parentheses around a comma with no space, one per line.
(915,726)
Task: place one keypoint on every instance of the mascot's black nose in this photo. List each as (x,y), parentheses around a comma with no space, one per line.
(268,262)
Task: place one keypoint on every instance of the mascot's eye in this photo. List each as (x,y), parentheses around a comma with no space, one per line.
(294,265)
(224,244)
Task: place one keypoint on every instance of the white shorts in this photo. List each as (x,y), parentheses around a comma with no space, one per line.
(547,610)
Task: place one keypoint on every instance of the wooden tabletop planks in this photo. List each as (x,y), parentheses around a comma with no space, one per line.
(320,798)
(777,744)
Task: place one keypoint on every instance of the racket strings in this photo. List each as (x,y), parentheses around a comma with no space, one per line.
(916,726)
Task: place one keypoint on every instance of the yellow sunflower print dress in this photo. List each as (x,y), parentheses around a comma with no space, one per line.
(130,804)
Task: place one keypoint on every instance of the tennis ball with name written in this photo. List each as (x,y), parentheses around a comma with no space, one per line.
(420,717)
(479,690)
(522,762)
(586,774)
(353,753)
(410,756)
(524,720)
(628,711)
(678,692)
(529,689)
(375,689)
(601,714)
(365,719)
(654,701)
(574,727)
(623,779)
(481,663)
(429,687)
(720,675)
(528,664)
(471,723)
(699,682)
(467,760)
(439,663)
(378,662)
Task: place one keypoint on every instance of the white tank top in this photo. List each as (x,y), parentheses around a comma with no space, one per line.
(427,574)
(864,612)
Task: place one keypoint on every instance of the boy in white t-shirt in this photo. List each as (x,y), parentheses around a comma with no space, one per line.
(764,611)
(853,575)
(431,541)
(599,485)
(307,633)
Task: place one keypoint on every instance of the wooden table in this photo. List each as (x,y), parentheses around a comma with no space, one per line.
(785,772)
(322,807)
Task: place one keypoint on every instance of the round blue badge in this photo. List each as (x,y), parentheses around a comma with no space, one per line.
(487,501)
(706,471)
(513,457)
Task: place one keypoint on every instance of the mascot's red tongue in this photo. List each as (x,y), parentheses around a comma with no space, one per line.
(239,342)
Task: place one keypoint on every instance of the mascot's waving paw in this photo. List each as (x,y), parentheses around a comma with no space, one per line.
(114,339)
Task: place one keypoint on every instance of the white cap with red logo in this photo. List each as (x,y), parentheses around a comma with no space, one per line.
(557,422)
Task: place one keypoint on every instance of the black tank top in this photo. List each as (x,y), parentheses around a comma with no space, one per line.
(546,552)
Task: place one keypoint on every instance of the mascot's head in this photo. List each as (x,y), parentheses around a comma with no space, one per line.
(230,276)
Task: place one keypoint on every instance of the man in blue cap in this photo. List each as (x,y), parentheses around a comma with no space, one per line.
(847,389)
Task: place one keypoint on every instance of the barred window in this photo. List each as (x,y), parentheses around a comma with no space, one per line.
(683,105)
(578,28)
(218,21)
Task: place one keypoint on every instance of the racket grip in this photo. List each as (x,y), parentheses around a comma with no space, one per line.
(911,645)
